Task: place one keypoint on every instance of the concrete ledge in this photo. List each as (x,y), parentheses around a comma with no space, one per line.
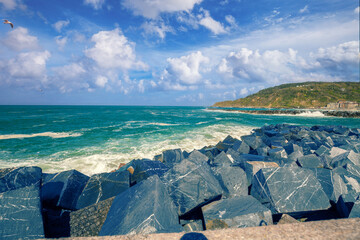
(330,229)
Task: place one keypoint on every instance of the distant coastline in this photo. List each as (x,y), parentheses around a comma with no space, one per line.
(282,111)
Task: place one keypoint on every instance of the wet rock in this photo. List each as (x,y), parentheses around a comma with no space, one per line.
(88,221)
(310,161)
(252,167)
(346,203)
(242,211)
(20,213)
(291,148)
(128,215)
(244,148)
(253,141)
(277,153)
(232,179)
(332,183)
(14,178)
(221,159)
(192,183)
(226,144)
(288,190)
(171,157)
(345,158)
(62,189)
(103,186)
(144,168)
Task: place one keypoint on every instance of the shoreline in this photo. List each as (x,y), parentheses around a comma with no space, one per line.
(329,113)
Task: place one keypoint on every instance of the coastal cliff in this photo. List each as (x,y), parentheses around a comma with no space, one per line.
(299,95)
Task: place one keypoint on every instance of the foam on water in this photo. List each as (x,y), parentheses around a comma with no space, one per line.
(107,157)
(44,134)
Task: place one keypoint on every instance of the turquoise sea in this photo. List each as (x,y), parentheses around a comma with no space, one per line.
(94,139)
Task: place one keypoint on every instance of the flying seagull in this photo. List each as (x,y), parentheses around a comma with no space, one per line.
(8,22)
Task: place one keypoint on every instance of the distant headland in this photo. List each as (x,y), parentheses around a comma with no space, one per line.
(307,95)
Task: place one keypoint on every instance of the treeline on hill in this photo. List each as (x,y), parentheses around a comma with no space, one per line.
(299,95)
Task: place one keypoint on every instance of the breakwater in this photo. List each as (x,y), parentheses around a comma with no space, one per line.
(278,174)
(330,113)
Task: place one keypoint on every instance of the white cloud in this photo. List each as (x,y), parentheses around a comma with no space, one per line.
(96,4)
(357,10)
(59,25)
(101,81)
(152,9)
(184,72)
(277,67)
(9,4)
(207,21)
(156,28)
(20,39)
(61,42)
(30,66)
(113,50)
(70,77)
(304,9)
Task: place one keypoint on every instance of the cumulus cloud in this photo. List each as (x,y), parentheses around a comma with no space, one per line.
(214,26)
(113,50)
(96,4)
(357,10)
(341,59)
(304,9)
(28,67)
(276,67)
(152,9)
(59,25)
(20,39)
(61,42)
(70,77)
(101,81)
(9,4)
(156,28)
(184,72)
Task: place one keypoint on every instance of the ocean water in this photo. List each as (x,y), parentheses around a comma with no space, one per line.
(94,139)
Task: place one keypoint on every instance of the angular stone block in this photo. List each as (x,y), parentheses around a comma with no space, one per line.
(252,167)
(352,169)
(310,161)
(144,168)
(197,157)
(20,213)
(355,210)
(191,183)
(103,186)
(253,141)
(232,179)
(237,212)
(346,203)
(142,209)
(170,157)
(322,150)
(88,221)
(277,153)
(62,189)
(221,159)
(263,151)
(345,158)
(226,144)
(289,190)
(14,178)
(332,183)
(244,148)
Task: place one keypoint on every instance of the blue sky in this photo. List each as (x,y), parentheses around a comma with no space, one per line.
(171,52)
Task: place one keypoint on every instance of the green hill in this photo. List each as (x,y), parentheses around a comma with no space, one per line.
(299,95)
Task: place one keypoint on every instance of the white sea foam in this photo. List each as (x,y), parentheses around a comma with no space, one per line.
(108,156)
(44,134)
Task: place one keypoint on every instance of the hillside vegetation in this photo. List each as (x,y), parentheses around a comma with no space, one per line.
(299,95)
